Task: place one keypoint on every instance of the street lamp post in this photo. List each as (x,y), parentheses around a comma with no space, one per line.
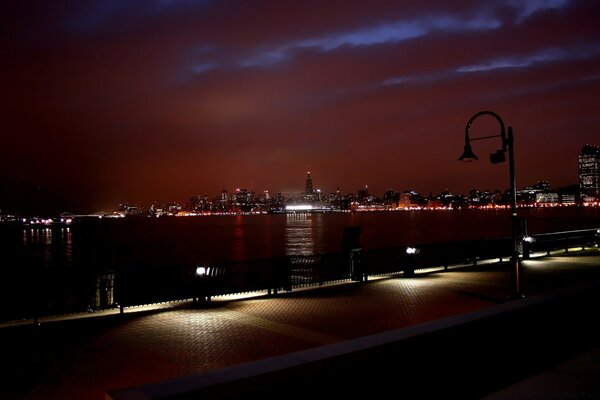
(496,158)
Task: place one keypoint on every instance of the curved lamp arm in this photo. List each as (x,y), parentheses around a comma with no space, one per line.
(493,114)
(468,154)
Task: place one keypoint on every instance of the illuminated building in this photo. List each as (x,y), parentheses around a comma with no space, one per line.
(528,194)
(546,198)
(404,200)
(411,199)
(243,196)
(391,197)
(567,198)
(589,172)
(309,185)
(364,196)
(224,196)
(195,203)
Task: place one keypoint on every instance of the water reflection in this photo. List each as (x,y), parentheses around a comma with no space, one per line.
(299,238)
(318,229)
(239,241)
(52,247)
(68,252)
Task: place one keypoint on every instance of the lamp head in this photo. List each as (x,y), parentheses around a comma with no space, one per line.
(201,271)
(497,157)
(468,154)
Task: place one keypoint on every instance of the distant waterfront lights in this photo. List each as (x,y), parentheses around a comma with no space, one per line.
(299,207)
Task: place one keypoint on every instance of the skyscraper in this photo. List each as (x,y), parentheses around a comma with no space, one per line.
(309,186)
(589,172)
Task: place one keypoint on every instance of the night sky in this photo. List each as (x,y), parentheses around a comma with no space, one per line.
(113,101)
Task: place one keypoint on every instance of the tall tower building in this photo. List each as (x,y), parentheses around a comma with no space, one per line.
(589,172)
(308,191)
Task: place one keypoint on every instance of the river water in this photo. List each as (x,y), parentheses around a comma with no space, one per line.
(204,239)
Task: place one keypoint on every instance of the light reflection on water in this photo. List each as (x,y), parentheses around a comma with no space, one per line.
(53,246)
(299,238)
(239,243)
(67,240)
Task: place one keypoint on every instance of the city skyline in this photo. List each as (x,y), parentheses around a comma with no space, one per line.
(243,200)
(586,190)
(306,190)
(118,100)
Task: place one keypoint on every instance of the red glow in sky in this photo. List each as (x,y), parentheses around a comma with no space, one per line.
(113,101)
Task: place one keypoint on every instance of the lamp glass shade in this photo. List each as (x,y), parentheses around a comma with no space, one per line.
(468,154)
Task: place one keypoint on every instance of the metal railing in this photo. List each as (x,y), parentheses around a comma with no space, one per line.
(125,285)
(548,242)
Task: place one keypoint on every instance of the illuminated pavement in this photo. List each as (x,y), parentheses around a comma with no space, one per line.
(86,357)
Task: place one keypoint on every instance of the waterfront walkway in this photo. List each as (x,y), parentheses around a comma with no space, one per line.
(85,356)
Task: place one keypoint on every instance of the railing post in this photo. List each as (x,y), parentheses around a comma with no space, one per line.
(409,264)
(273,276)
(473,251)
(356,265)
(118,287)
(526,250)
(201,293)
(285,269)
(364,266)
(351,247)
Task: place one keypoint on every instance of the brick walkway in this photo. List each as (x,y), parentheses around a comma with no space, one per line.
(85,357)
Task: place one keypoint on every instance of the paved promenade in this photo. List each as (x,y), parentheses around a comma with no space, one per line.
(84,356)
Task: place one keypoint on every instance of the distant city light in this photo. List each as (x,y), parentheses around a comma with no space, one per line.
(411,250)
(299,207)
